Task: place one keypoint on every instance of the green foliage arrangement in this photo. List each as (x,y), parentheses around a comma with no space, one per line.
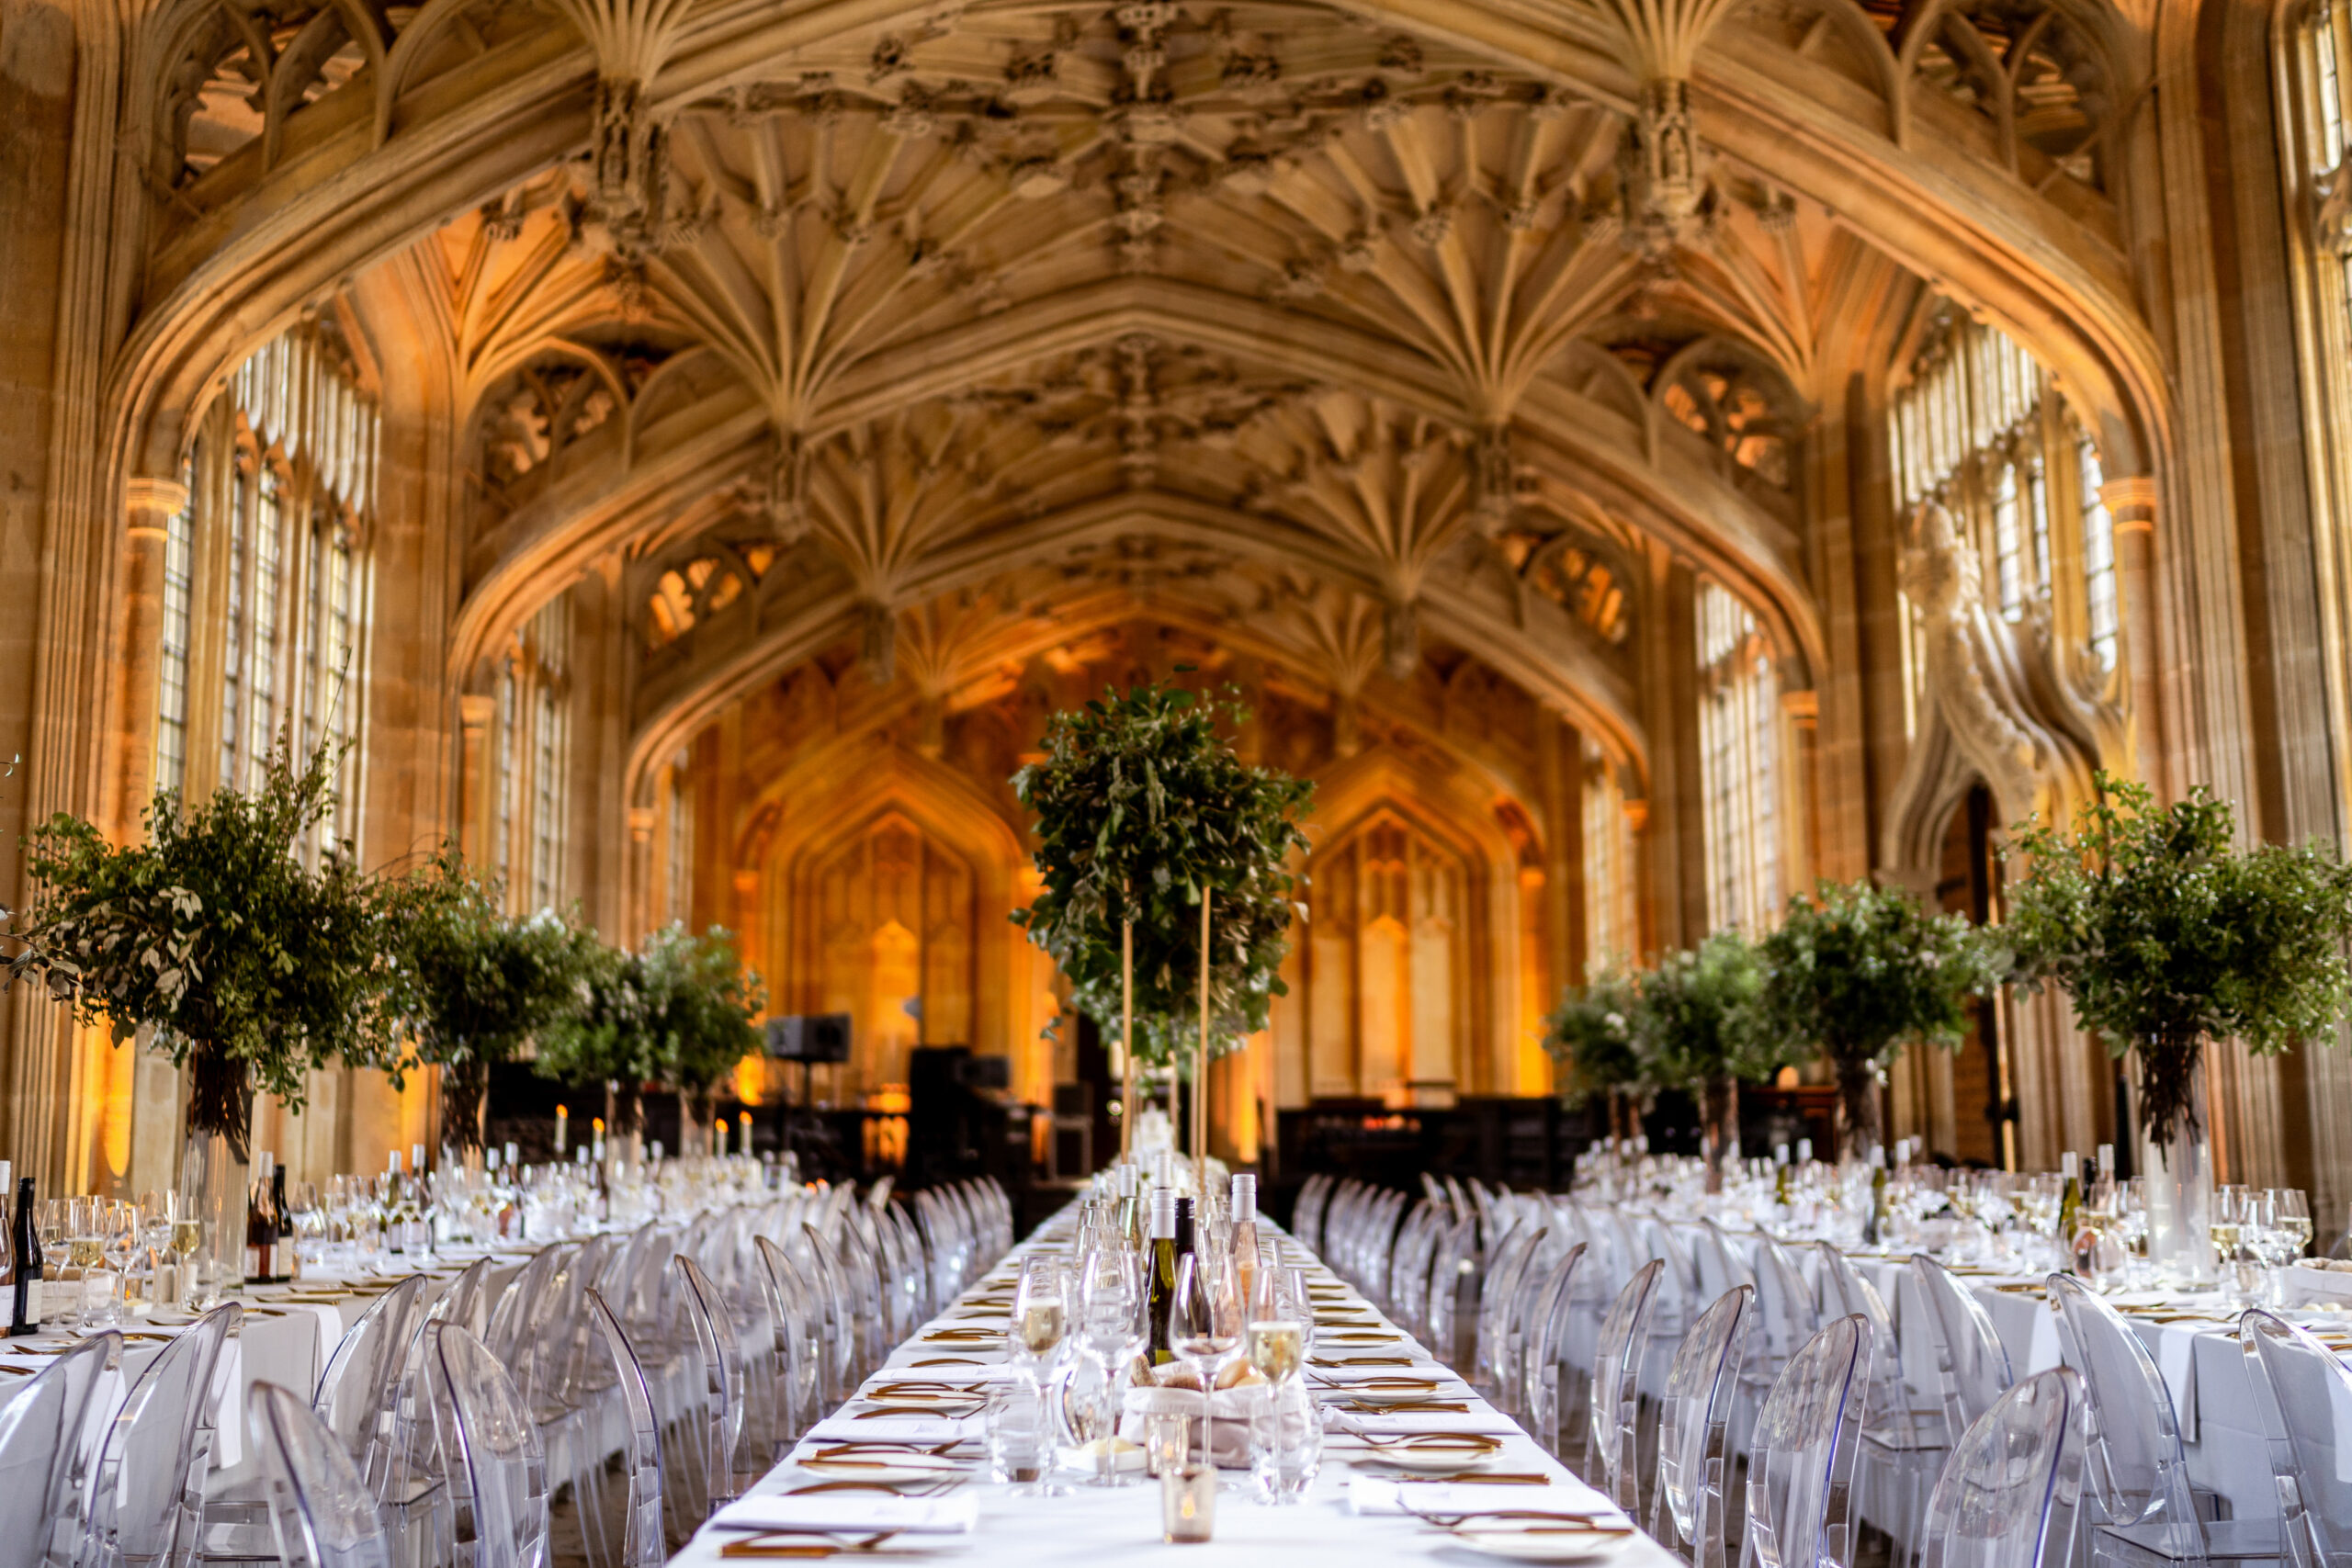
(1858,971)
(252,966)
(680,1010)
(476,984)
(1590,1036)
(1695,1024)
(2165,936)
(1141,809)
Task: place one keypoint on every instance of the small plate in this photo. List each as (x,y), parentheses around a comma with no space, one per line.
(1126,1458)
(1549,1544)
(1449,1461)
(886,1469)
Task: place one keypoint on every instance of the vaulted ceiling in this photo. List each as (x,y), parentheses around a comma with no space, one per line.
(1340,326)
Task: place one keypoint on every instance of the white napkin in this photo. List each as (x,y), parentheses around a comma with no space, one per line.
(1368,1494)
(898,1429)
(1486,1423)
(1424,1371)
(956,1514)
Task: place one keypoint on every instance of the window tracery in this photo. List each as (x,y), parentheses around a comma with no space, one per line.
(531,761)
(1739,763)
(1612,934)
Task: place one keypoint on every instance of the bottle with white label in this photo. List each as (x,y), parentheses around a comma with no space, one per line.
(26,1306)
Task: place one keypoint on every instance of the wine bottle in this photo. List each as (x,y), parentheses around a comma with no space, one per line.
(1245,1236)
(1185,1236)
(28,1305)
(1781,1175)
(281,1215)
(1159,1290)
(1879,1231)
(2070,1206)
(1132,1217)
(7,1243)
(261,1239)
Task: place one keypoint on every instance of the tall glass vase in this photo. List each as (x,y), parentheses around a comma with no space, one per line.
(210,1195)
(1719,1134)
(2178,1173)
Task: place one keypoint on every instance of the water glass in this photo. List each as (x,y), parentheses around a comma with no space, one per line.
(1017,1436)
(1167,1441)
(1286,1442)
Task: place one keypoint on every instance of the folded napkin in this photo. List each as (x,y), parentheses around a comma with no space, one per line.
(897,1430)
(955,1513)
(1425,1371)
(1485,1423)
(1368,1494)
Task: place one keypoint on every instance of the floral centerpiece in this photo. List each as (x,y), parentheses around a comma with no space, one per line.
(253,951)
(1857,972)
(2166,937)
(1157,845)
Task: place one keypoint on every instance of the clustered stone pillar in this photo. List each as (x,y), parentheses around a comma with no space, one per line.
(2132,504)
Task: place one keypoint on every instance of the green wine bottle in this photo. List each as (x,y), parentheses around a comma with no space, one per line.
(1159,1291)
(2070,1208)
(1879,1230)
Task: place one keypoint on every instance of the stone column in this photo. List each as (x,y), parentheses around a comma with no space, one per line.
(475,712)
(1804,711)
(640,915)
(2131,504)
(148,507)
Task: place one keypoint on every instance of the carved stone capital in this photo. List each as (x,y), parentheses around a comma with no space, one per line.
(2131,501)
(147,500)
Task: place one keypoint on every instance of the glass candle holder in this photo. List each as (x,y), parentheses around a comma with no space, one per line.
(1187,1503)
(1167,1441)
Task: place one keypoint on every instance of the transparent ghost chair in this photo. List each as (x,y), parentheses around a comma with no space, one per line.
(1529,1313)
(1801,1465)
(1536,1366)
(48,1431)
(799,1326)
(1452,1273)
(147,1502)
(2304,1396)
(2139,1473)
(1694,1463)
(1409,1265)
(497,1472)
(1972,1366)
(710,1465)
(466,1301)
(1506,1263)
(1612,1456)
(321,1511)
(831,1293)
(2008,1494)
(621,1525)
(1306,1211)
(1722,1263)
(1786,1318)
(1903,1435)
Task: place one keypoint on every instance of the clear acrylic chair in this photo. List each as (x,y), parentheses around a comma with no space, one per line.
(1453,1266)
(48,1431)
(1903,1435)
(322,1510)
(1530,1311)
(1506,1260)
(2304,1396)
(1972,1366)
(497,1471)
(621,1526)
(2139,1472)
(2009,1495)
(1612,1456)
(798,1327)
(1694,1463)
(360,1394)
(1800,1463)
(147,1504)
(1538,1372)
(709,1466)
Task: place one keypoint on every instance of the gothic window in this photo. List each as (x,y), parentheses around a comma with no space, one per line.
(263,628)
(1610,935)
(531,761)
(1979,429)
(1739,763)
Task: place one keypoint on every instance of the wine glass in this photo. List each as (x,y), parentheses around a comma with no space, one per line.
(1040,1310)
(1203,1330)
(2291,1216)
(187,1235)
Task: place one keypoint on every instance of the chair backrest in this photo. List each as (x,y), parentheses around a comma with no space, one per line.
(1972,1366)
(1613,1419)
(799,1325)
(322,1510)
(642,1543)
(1680,1297)
(718,1402)
(2305,1394)
(1801,1460)
(49,1429)
(1787,1314)
(358,1395)
(1449,1266)
(2008,1494)
(497,1471)
(1722,1262)
(1845,1292)
(1538,1371)
(1525,1316)
(2131,1446)
(1497,1289)
(466,1301)
(1693,1463)
(818,1264)
(149,1496)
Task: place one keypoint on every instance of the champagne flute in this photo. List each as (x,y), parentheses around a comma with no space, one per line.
(187,1235)
(1040,1309)
(1200,1329)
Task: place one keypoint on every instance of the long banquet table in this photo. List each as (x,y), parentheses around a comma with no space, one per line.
(1079,1530)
